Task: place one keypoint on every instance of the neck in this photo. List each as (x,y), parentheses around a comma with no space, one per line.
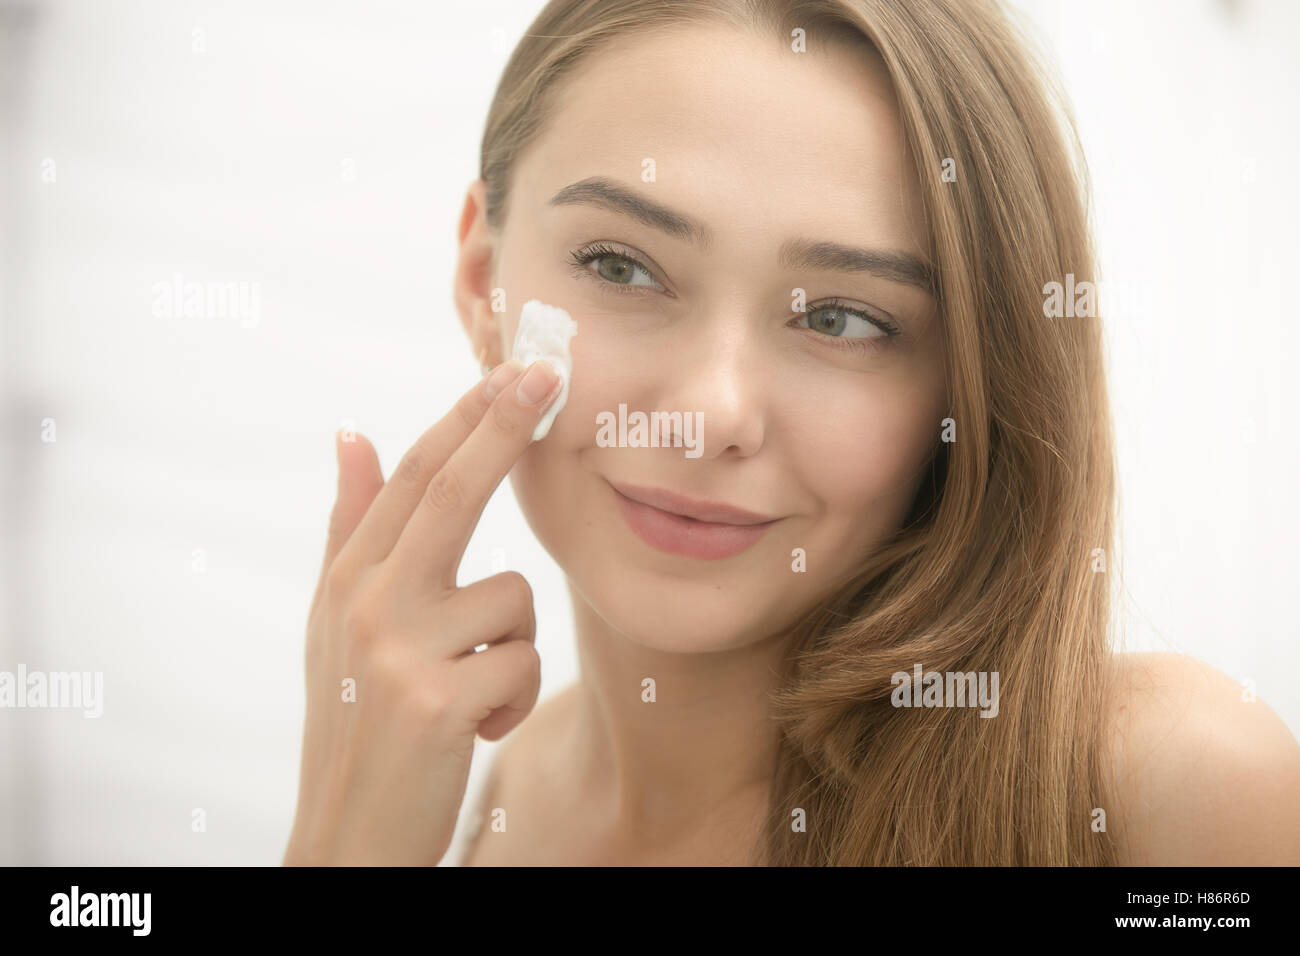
(705,744)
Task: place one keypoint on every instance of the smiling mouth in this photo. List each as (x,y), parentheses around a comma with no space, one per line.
(706,512)
(680,534)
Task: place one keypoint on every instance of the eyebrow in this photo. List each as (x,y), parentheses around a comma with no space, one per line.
(794,254)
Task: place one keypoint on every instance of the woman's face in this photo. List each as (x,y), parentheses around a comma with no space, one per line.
(723,173)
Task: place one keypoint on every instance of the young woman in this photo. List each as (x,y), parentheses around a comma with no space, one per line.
(824,231)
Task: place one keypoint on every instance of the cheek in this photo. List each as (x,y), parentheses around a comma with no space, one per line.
(863,454)
(606,369)
(557,481)
(597,368)
(543,475)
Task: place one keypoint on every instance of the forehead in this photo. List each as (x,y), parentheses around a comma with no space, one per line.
(743,132)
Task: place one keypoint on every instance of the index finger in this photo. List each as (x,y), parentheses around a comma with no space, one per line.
(382,523)
(434,539)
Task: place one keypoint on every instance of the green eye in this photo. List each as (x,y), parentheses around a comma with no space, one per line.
(833,320)
(830,321)
(615,268)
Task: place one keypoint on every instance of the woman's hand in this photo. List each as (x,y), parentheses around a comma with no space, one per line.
(395,691)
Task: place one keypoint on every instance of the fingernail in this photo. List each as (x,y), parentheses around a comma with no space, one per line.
(502,376)
(538,382)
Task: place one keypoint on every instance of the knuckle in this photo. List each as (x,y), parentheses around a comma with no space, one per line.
(361,623)
(443,493)
(503,420)
(469,411)
(423,707)
(392,667)
(338,579)
(411,469)
(436,705)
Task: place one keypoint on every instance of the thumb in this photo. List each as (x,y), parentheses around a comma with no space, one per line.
(360,480)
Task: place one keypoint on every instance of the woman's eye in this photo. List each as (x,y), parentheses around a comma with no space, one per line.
(836,323)
(622,270)
(840,322)
(615,268)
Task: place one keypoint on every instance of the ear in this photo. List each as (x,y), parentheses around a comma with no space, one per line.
(475,278)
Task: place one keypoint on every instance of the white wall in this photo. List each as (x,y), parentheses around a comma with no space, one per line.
(1188,117)
(215,435)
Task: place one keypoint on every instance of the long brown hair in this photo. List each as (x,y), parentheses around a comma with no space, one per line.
(996,569)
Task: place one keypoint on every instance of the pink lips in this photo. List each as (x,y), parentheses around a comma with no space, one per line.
(677,525)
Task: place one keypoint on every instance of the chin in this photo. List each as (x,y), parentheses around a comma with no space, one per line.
(680,614)
(680,629)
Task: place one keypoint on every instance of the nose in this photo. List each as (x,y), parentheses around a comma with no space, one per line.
(717,372)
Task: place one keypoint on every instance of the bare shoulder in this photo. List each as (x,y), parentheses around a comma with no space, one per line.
(521,753)
(1204,772)
(519,765)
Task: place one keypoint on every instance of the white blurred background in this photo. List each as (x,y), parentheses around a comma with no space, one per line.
(317,155)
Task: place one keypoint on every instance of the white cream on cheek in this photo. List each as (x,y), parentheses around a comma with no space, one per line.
(544,333)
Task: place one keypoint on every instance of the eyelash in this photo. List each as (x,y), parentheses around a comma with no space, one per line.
(587,254)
